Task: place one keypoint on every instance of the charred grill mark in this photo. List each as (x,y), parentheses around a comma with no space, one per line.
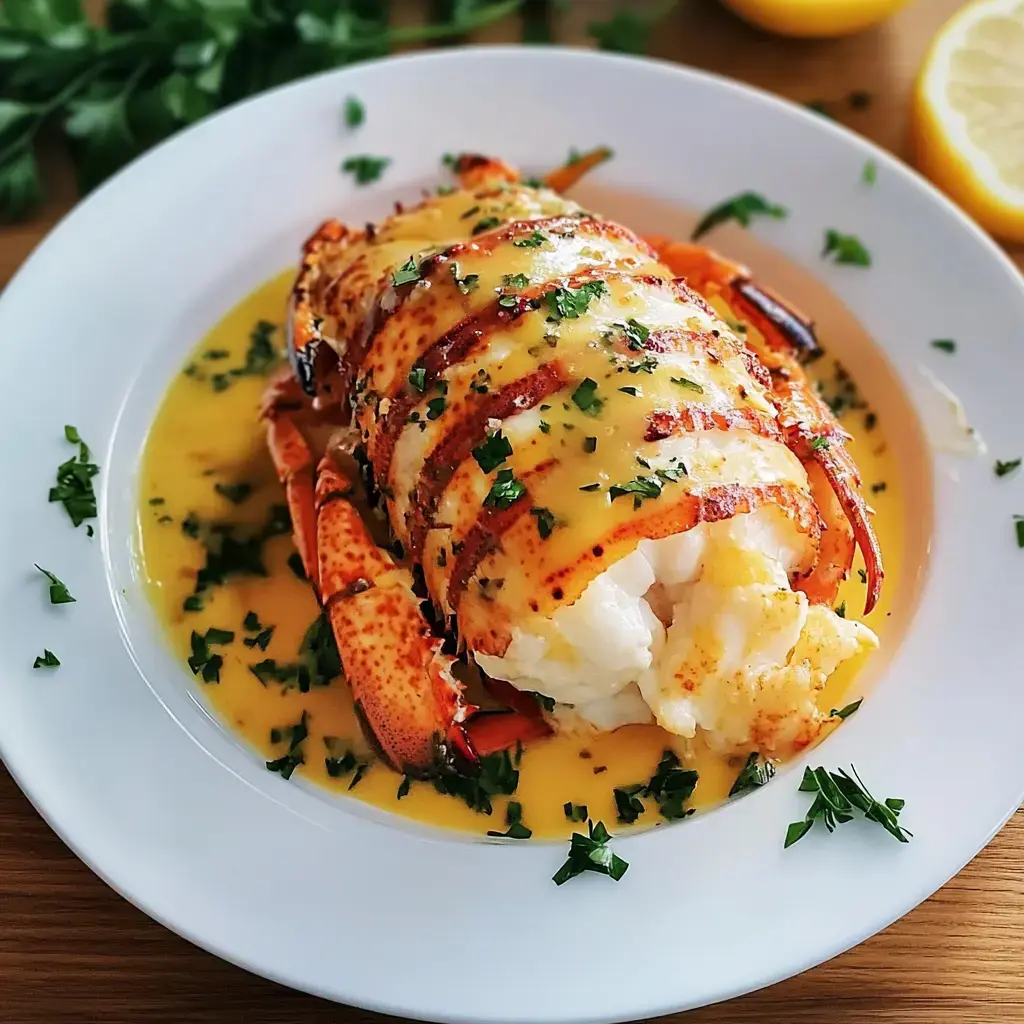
(485,535)
(443,461)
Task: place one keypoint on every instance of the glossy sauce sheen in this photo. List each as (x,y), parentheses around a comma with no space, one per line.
(201,437)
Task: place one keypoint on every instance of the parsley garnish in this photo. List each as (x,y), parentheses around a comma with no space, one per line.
(365,169)
(870,173)
(297,735)
(845,249)
(355,113)
(837,796)
(59,593)
(689,385)
(534,241)
(514,819)
(341,761)
(252,624)
(486,224)
(403,787)
(497,776)
(947,345)
(546,521)
(841,609)
(74,488)
(754,774)
(818,443)
(464,284)
(635,333)
(742,208)
(48,660)
(235,493)
(505,490)
(590,445)
(640,487)
(628,806)
(1002,468)
(848,710)
(572,303)
(436,406)
(629,391)
(591,853)
(1018,522)
(575,812)
(202,659)
(418,378)
(585,397)
(515,281)
(406,273)
(671,785)
(493,452)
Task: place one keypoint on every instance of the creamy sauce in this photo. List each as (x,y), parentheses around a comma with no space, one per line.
(202,437)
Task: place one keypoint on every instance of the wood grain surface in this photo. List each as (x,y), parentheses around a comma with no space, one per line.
(73,950)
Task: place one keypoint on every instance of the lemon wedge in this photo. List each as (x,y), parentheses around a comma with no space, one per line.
(814,18)
(968,114)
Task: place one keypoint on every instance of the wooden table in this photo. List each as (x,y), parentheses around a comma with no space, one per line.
(73,950)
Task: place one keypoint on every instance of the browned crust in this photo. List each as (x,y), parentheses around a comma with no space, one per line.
(663,423)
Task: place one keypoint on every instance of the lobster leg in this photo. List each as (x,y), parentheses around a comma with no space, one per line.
(810,429)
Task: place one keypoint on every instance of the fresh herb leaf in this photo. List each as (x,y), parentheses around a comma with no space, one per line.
(590,445)
(796,831)
(365,169)
(1002,468)
(355,113)
(841,609)
(628,806)
(848,710)
(505,490)
(486,224)
(546,521)
(585,397)
(635,333)
(672,785)
(534,241)
(1018,522)
(640,487)
(591,853)
(464,284)
(845,249)
(575,812)
(947,345)
(202,659)
(514,819)
(493,452)
(741,208)
(515,281)
(819,443)
(754,774)
(418,378)
(59,593)
(403,787)
(74,488)
(687,384)
(436,406)
(572,303)
(870,173)
(406,273)
(298,734)
(235,493)
(48,660)
(629,391)
(497,776)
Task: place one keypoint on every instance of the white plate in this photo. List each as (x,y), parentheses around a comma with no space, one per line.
(331,897)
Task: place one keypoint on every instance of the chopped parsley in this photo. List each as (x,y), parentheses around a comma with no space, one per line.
(590,487)
(572,303)
(355,113)
(59,593)
(642,487)
(1018,522)
(585,397)
(841,609)
(48,660)
(252,624)
(296,566)
(687,384)
(819,443)
(671,786)
(514,819)
(754,774)
(365,169)
(591,853)
(406,273)
(635,333)
(297,735)
(741,208)
(575,812)
(497,776)
(947,345)
(436,406)
(870,173)
(590,445)
(848,710)
(1002,468)
(845,249)
(202,659)
(629,391)
(74,488)
(505,490)
(515,281)
(403,787)
(341,762)
(534,241)
(628,806)
(260,358)
(647,364)
(545,427)
(235,493)
(486,224)
(546,521)
(836,796)
(464,284)
(493,452)
(418,378)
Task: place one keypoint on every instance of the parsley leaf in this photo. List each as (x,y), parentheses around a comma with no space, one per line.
(515,281)
(628,806)
(687,384)
(59,593)
(406,273)
(534,241)
(48,660)
(493,452)
(672,785)
(74,488)
(870,173)
(947,345)
(591,853)
(464,284)
(741,208)
(355,113)
(486,224)
(546,521)
(848,710)
(1002,468)
(572,303)
(365,169)
(417,378)
(297,735)
(497,776)
(754,774)
(505,490)
(845,249)
(575,812)
(514,819)
(585,397)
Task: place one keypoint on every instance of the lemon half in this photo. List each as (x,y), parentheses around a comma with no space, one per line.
(815,18)
(968,114)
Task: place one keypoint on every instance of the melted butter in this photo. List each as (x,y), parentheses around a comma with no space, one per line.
(201,437)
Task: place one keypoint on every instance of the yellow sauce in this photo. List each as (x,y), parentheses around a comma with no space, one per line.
(202,437)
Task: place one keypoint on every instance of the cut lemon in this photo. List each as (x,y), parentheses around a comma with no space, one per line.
(968,114)
(815,18)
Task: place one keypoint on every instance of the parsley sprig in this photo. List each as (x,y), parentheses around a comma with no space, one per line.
(591,853)
(74,488)
(742,208)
